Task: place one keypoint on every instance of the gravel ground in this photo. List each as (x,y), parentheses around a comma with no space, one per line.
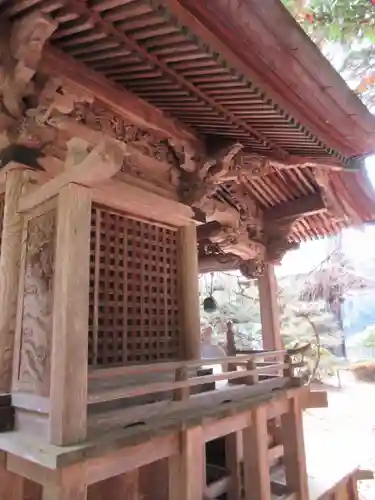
(348,425)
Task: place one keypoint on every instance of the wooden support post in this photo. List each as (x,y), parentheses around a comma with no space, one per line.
(187,478)
(11,485)
(255,449)
(233,456)
(183,393)
(10,256)
(188,262)
(70,317)
(269,309)
(294,450)
(71,486)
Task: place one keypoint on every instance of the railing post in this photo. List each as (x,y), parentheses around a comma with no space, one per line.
(181,394)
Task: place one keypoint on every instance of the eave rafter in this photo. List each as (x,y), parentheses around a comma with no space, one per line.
(94,18)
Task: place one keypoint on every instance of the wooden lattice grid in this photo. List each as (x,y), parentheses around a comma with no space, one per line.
(134,301)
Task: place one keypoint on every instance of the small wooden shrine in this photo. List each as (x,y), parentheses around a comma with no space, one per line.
(142,142)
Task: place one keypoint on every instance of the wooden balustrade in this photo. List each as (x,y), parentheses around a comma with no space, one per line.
(248,371)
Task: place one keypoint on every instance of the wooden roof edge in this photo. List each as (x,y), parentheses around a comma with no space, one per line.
(290,69)
(129,106)
(357,190)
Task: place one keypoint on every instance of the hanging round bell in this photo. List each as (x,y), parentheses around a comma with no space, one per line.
(209,305)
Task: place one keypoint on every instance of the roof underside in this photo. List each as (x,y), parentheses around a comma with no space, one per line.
(159,51)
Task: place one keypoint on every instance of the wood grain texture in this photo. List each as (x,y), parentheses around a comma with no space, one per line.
(36,326)
(70,317)
(269,309)
(294,450)
(71,486)
(256,465)
(188,267)
(10,256)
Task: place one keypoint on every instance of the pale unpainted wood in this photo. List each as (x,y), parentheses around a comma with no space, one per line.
(269,309)
(68,420)
(121,487)
(234,456)
(109,394)
(154,480)
(37,304)
(102,163)
(139,202)
(294,449)
(256,463)
(130,457)
(10,255)
(188,266)
(70,486)
(11,485)
(187,479)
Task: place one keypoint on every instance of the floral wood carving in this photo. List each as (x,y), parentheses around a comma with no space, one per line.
(97,117)
(37,303)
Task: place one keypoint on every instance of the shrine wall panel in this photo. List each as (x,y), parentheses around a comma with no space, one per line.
(36,303)
(134,314)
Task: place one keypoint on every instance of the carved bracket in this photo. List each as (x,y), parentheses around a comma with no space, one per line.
(197,178)
(20,52)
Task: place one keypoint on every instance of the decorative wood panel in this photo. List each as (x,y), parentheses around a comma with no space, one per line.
(134,306)
(36,327)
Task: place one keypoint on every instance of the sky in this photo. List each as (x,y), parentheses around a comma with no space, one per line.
(357,243)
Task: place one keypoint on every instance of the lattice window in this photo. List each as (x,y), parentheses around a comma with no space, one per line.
(134,309)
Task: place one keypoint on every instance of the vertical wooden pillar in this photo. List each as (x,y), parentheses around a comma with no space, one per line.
(187,478)
(188,262)
(255,450)
(70,317)
(10,256)
(11,485)
(294,450)
(71,486)
(269,309)
(233,458)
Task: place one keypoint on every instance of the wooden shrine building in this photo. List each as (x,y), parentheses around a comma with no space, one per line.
(143,142)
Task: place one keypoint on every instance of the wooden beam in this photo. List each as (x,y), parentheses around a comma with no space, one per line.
(102,163)
(188,265)
(294,449)
(187,470)
(10,256)
(302,207)
(11,485)
(256,464)
(68,413)
(213,264)
(71,485)
(269,309)
(127,105)
(233,458)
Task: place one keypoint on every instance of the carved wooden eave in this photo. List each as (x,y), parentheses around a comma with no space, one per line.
(257,199)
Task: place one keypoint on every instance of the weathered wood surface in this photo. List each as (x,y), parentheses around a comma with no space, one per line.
(37,303)
(70,317)
(210,416)
(10,256)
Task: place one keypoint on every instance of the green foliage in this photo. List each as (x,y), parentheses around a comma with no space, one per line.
(347,27)
(369,339)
